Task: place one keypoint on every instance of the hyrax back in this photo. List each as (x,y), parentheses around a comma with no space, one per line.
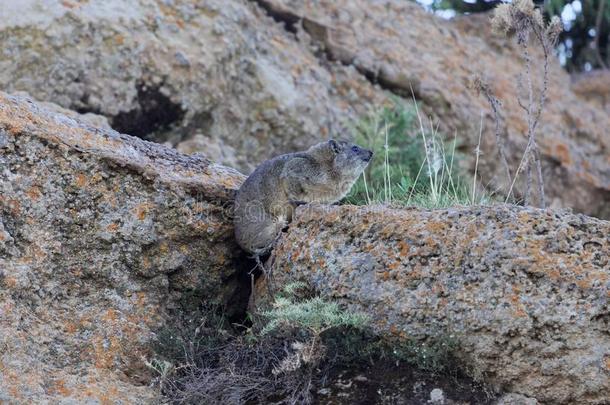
(265,202)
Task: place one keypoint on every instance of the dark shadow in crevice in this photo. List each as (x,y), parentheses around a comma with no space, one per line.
(154,112)
(288,19)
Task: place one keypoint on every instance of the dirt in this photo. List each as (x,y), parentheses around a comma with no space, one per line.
(386,382)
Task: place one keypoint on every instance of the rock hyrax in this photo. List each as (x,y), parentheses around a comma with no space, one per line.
(265,202)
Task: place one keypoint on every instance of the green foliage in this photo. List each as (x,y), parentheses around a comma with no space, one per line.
(412,165)
(202,328)
(202,359)
(435,355)
(312,314)
(586,40)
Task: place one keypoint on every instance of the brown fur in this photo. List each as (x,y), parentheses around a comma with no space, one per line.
(266,201)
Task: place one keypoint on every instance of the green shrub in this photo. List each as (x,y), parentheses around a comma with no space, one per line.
(312,314)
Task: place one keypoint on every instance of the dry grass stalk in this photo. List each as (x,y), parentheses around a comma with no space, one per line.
(525,22)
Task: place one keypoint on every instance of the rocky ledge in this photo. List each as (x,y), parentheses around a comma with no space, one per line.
(524,291)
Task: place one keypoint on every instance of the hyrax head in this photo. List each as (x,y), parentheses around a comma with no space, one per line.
(345,158)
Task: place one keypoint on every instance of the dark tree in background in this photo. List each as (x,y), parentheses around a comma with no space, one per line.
(585,44)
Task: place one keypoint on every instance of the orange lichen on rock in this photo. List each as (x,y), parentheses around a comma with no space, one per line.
(34,193)
(141,210)
(489,275)
(81,180)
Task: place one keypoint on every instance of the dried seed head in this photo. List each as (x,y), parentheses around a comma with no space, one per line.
(501,21)
(526,7)
(554,28)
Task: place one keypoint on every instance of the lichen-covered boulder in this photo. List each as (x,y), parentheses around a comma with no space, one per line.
(101,236)
(524,291)
(176,70)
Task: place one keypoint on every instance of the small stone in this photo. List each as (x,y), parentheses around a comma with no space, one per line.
(181,59)
(437,396)
(3,139)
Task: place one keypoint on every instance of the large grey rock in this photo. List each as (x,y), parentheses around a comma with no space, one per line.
(101,236)
(176,69)
(524,291)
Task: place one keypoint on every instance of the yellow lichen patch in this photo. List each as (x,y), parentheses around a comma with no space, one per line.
(141,297)
(14,206)
(403,248)
(104,351)
(583,283)
(71,327)
(13,383)
(436,227)
(562,152)
(111,315)
(15,128)
(554,274)
(10,282)
(519,312)
(141,210)
(68,4)
(36,252)
(393,265)
(524,217)
(164,247)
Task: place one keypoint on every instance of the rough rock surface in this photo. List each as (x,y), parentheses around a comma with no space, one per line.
(177,69)
(593,87)
(526,292)
(223,72)
(101,235)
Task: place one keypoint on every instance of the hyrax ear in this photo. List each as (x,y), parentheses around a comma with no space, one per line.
(334,146)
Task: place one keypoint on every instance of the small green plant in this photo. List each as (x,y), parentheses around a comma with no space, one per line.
(435,355)
(314,314)
(412,166)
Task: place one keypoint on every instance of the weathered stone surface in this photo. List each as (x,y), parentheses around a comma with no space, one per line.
(101,234)
(177,69)
(526,292)
(593,87)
